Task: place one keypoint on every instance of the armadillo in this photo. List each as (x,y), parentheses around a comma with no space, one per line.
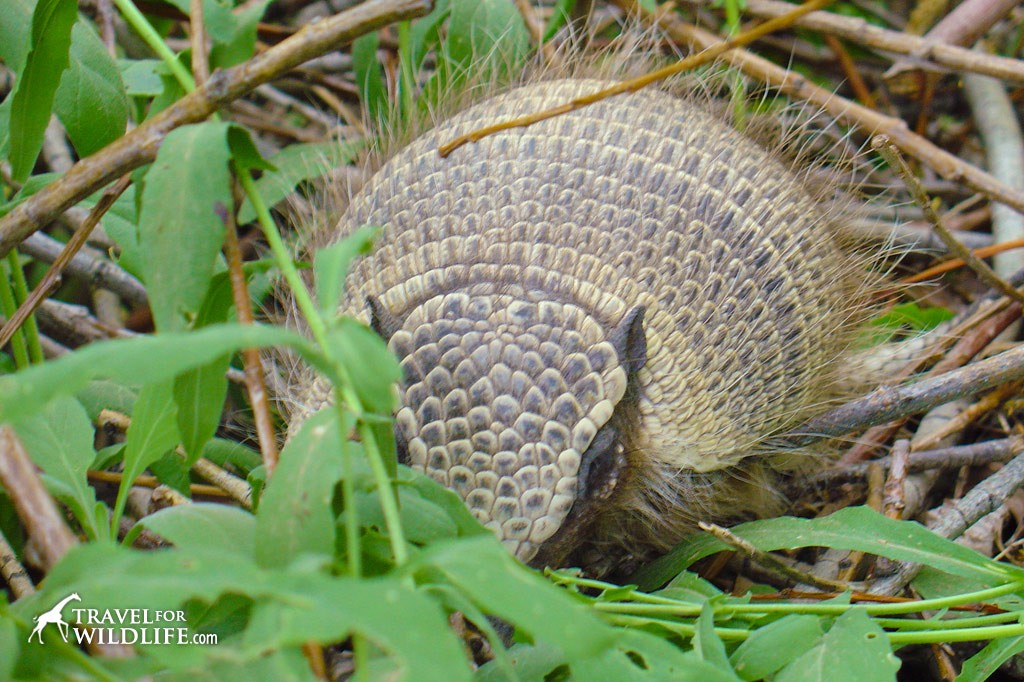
(603,318)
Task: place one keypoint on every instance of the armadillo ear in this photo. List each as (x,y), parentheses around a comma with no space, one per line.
(381,319)
(629,340)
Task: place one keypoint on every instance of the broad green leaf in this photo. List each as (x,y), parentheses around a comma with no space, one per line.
(59,439)
(211,526)
(404,622)
(10,645)
(152,433)
(289,609)
(475,565)
(91,101)
(370,366)
(244,152)
(297,163)
(233,34)
(296,515)
(142,360)
(200,392)
(238,42)
(199,395)
(533,663)
(489,34)
(373,93)
(986,662)
(107,395)
(854,528)
(181,228)
(643,657)
(141,77)
(855,649)
(422,522)
(331,264)
(442,498)
(773,646)
(32,100)
(16,33)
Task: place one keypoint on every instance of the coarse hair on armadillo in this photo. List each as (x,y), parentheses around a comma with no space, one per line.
(717,470)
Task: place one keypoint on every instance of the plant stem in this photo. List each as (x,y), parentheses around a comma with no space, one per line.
(149,35)
(35,349)
(9,307)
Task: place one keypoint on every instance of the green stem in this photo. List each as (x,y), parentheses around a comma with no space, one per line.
(9,307)
(345,391)
(949,624)
(964,635)
(31,329)
(685,610)
(149,35)
(684,629)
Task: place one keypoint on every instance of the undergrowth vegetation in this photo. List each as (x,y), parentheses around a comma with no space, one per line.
(338,552)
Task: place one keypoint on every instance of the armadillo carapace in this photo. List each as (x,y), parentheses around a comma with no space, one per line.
(601,317)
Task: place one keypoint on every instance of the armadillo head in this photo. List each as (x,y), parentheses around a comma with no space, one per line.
(509,403)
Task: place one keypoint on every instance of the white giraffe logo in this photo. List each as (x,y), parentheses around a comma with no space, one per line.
(54,616)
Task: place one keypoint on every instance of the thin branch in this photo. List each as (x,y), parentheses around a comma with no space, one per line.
(892,402)
(919,49)
(870,121)
(52,277)
(254,373)
(770,562)
(711,52)
(38,512)
(888,151)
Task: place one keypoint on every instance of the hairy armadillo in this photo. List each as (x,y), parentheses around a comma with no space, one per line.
(601,318)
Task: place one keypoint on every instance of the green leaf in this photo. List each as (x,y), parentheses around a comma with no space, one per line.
(644,657)
(986,662)
(708,646)
(773,646)
(141,77)
(489,35)
(32,100)
(181,228)
(854,528)
(199,395)
(152,433)
(59,439)
(331,264)
(475,565)
(294,164)
(237,42)
(91,101)
(373,93)
(244,151)
(296,515)
(16,33)
(289,608)
(370,366)
(854,650)
(107,395)
(141,360)
(440,497)
(210,526)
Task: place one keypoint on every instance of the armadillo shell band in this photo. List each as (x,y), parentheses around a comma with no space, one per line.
(502,397)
